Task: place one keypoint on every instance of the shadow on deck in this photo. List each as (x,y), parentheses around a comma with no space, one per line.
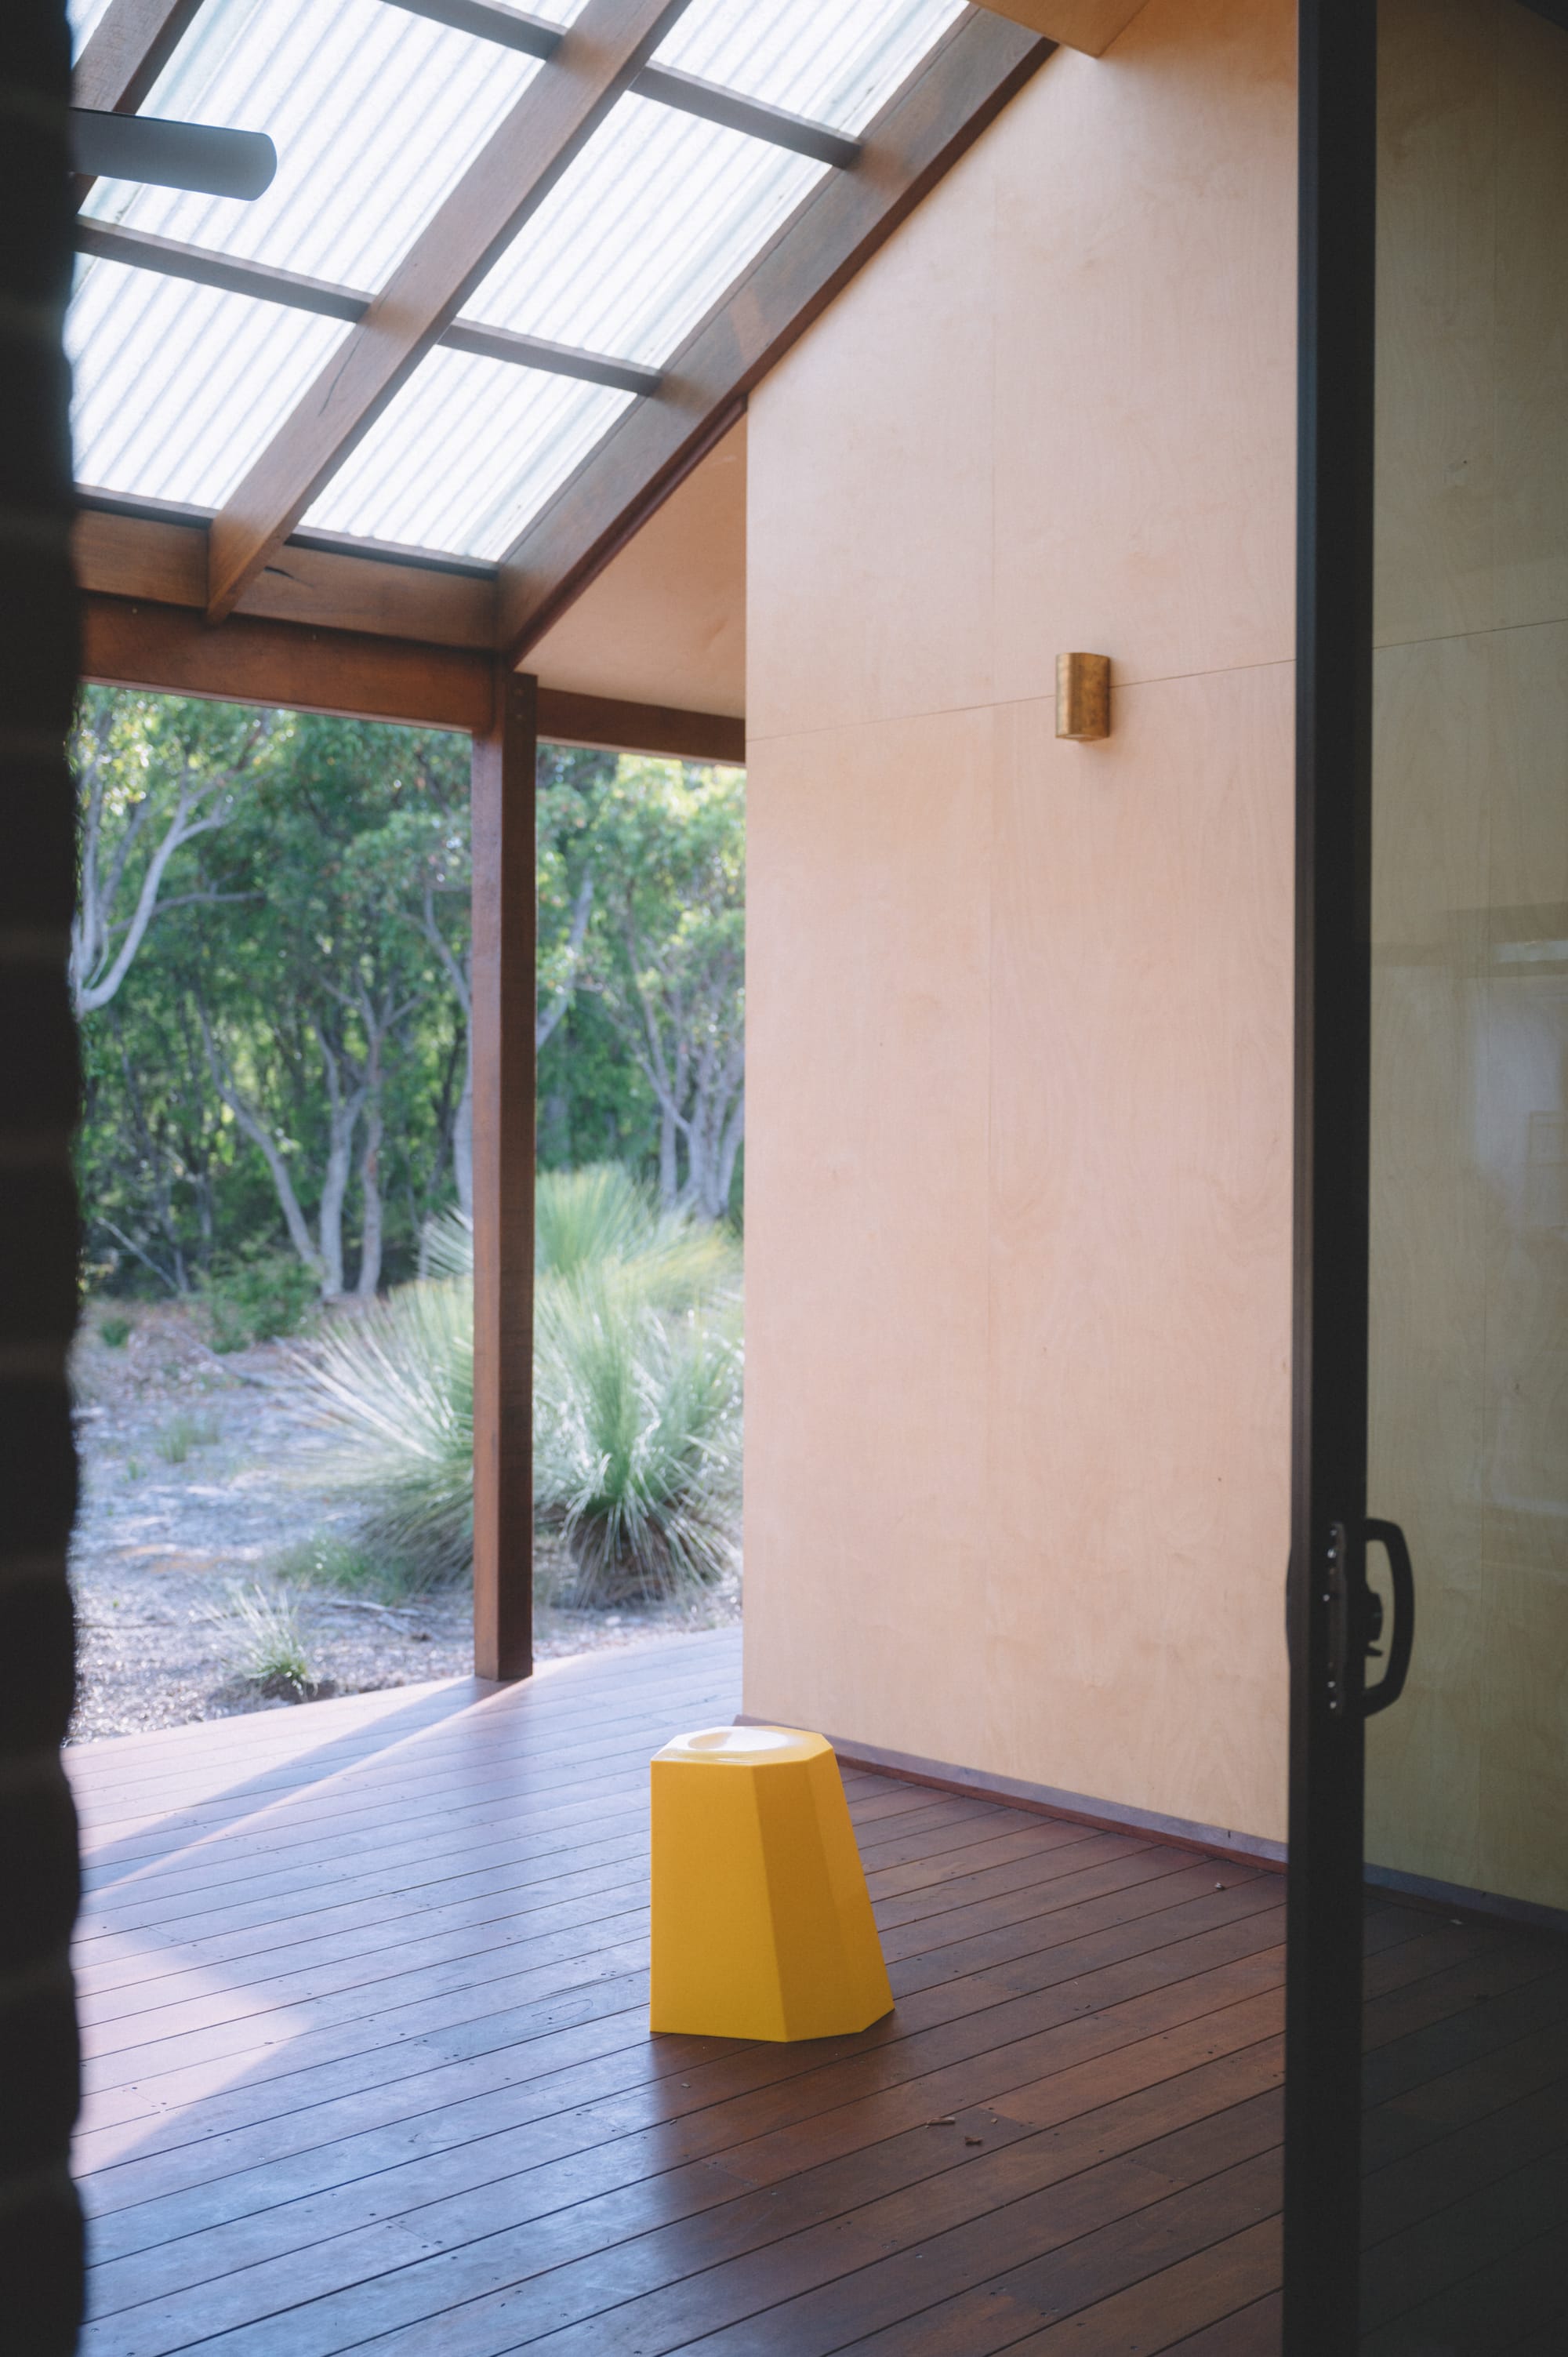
(364,1994)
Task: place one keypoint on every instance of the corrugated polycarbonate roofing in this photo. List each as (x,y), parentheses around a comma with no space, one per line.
(471,451)
(179,387)
(376,112)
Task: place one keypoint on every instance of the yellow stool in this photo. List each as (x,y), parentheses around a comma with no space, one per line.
(762,1923)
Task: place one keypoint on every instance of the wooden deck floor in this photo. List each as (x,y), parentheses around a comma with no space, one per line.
(369,2069)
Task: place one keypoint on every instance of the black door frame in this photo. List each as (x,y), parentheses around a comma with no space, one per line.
(1336,324)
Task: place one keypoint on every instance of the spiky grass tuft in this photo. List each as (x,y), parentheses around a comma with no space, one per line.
(260,1639)
(637,1397)
(637,1432)
(395,1387)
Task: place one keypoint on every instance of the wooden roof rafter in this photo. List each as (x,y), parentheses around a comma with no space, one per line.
(519,164)
(257,562)
(130,45)
(137,249)
(960,87)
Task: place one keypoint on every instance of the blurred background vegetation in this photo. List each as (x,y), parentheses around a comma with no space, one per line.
(271,970)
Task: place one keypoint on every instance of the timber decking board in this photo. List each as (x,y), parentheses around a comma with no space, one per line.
(364,2002)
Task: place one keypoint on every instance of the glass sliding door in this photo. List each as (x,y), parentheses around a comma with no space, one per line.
(1464,2134)
(1427,2087)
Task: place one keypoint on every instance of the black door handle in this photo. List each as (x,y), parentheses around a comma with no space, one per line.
(1390,1685)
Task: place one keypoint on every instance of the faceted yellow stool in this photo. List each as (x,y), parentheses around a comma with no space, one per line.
(762,1924)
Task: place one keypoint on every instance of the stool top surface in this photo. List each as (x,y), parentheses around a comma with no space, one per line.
(746,1747)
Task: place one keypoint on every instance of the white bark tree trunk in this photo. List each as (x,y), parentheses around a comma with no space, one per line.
(463,1131)
(371,1203)
(97,967)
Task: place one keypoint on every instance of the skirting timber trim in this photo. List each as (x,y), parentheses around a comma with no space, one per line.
(1454,1895)
(137,642)
(1045,1800)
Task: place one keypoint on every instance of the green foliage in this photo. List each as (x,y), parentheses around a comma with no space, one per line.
(265,1295)
(586,1219)
(666,959)
(395,1387)
(636,1430)
(330,1560)
(260,1639)
(637,1392)
(647,1065)
(114,1332)
(182,1434)
(276,1078)
(292,959)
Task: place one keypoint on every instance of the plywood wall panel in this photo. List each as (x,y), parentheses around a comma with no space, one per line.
(665,621)
(869,916)
(1140,1282)
(1139,439)
(871,484)
(1018,1138)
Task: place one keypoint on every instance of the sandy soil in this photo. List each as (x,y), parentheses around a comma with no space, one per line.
(195,1479)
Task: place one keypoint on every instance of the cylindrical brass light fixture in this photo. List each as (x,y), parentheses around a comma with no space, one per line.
(1083,697)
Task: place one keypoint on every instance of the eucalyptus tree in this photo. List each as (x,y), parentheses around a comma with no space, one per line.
(307,1006)
(666,957)
(155,775)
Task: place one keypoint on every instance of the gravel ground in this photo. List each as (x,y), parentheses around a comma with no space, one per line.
(195,1479)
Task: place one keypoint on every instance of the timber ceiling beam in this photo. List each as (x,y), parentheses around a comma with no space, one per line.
(164,562)
(599,55)
(963,85)
(130,44)
(126,642)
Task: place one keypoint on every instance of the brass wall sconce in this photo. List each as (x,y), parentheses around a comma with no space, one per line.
(1083,697)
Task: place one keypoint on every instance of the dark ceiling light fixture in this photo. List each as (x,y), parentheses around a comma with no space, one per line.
(171,154)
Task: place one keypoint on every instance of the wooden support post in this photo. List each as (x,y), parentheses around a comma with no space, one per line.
(502,1017)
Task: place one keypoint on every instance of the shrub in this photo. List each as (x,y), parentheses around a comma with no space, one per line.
(584,1218)
(259,1298)
(115,1332)
(637,1397)
(395,1386)
(184,1432)
(260,1639)
(328,1560)
(636,1432)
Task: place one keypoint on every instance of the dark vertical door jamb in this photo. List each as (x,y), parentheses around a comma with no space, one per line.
(1334,631)
(40,2217)
(502,1017)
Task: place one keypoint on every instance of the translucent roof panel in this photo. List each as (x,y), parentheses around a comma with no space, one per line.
(374,114)
(662,212)
(644,233)
(835,62)
(469,451)
(179,387)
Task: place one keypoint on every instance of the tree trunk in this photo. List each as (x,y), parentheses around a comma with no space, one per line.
(344,1109)
(463,1132)
(371,1203)
(262,1137)
(669,1178)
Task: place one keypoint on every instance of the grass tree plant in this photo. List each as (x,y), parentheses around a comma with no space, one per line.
(637,1397)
